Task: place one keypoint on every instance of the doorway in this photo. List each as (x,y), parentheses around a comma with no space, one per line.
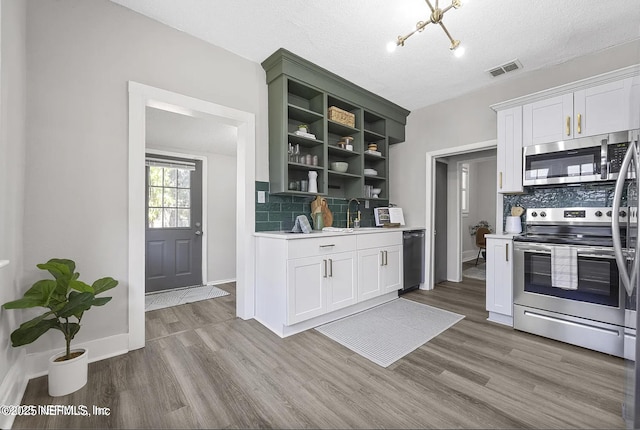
(143,96)
(431,205)
(173,210)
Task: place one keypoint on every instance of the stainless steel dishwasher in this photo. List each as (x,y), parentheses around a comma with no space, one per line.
(413,250)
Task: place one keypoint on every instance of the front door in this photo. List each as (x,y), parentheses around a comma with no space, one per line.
(174,223)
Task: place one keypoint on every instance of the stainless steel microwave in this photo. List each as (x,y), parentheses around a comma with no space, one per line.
(589,159)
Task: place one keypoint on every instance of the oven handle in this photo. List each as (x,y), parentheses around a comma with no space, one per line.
(615,219)
(597,252)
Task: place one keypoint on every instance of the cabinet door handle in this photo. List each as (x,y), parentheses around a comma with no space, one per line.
(579,123)
(327,246)
(568,126)
(382,258)
(386,258)
(500,185)
(330,268)
(506,252)
(325,268)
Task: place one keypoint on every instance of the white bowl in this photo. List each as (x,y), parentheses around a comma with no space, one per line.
(375,192)
(339,166)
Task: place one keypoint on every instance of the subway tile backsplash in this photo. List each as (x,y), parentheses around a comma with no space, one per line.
(278,212)
(584,195)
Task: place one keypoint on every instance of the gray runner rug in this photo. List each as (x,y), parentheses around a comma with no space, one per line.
(388,332)
(181,296)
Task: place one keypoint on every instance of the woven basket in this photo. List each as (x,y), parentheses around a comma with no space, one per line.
(342,116)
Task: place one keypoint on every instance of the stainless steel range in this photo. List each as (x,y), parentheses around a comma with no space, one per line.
(566,282)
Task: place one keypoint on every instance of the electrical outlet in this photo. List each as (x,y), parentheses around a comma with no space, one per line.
(261,197)
(366,204)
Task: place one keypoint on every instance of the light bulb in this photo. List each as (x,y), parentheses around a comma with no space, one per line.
(391,46)
(458,52)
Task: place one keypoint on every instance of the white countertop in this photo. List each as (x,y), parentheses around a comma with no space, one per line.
(363,230)
(502,235)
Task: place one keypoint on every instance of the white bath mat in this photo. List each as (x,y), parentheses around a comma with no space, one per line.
(390,331)
(181,296)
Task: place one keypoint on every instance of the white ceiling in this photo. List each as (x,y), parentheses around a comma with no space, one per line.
(349,37)
(166,129)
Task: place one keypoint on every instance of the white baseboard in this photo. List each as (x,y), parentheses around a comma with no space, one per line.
(99,349)
(222,281)
(13,387)
(469,255)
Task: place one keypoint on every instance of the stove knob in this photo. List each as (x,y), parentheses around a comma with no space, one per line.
(534,214)
(543,214)
(608,213)
(623,214)
(598,213)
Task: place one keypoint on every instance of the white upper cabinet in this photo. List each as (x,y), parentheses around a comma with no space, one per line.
(599,109)
(547,120)
(509,151)
(606,108)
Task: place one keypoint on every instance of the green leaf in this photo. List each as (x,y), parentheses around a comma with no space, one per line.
(25,335)
(58,270)
(35,321)
(104,284)
(38,295)
(80,286)
(69,263)
(78,303)
(100,301)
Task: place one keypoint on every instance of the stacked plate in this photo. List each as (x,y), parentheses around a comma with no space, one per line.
(370,172)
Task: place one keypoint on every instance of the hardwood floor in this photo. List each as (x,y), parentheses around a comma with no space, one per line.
(203,368)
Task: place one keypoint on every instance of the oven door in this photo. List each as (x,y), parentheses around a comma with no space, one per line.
(598,297)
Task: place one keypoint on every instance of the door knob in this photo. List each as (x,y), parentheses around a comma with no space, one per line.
(198,233)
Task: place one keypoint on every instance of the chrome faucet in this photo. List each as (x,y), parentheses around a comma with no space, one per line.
(349,210)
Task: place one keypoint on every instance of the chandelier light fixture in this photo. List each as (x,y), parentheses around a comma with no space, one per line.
(436,18)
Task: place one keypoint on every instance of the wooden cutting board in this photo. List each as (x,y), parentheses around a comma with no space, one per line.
(327,216)
(320,204)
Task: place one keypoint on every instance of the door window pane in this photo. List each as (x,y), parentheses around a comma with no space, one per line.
(184,177)
(169,197)
(170,177)
(155,217)
(184,198)
(155,197)
(184,217)
(169,218)
(155,176)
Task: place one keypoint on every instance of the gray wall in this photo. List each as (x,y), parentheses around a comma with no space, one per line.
(12,169)
(468,119)
(80,56)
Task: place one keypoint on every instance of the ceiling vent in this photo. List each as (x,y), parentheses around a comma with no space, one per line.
(504,68)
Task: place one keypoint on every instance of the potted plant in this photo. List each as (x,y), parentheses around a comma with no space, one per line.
(303,128)
(66,298)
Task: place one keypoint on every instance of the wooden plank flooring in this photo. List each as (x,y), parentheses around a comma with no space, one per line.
(204,368)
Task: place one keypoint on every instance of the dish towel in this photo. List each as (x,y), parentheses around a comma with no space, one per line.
(302,225)
(564,267)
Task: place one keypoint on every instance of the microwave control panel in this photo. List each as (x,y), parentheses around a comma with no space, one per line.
(615,155)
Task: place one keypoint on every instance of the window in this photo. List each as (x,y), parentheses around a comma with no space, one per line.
(169,199)
(464,189)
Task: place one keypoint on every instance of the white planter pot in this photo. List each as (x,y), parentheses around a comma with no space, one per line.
(68,376)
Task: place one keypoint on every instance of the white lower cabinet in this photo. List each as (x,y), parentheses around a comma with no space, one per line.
(500,279)
(379,267)
(300,281)
(316,285)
